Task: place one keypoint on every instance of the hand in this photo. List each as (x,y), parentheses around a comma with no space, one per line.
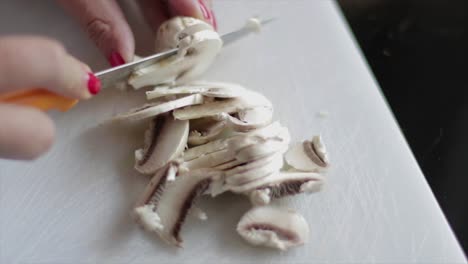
(30,62)
(106,25)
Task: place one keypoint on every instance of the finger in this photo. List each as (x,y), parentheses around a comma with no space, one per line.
(26,136)
(154,11)
(201,9)
(35,62)
(106,25)
(158,11)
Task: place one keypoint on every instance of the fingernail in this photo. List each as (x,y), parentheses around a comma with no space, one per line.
(115,59)
(94,84)
(207,14)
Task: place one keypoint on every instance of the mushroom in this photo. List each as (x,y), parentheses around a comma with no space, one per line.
(204,130)
(145,209)
(206,138)
(234,151)
(172,31)
(250,111)
(198,45)
(237,141)
(278,185)
(251,118)
(209,89)
(165,205)
(254,170)
(160,107)
(165,140)
(308,156)
(273,227)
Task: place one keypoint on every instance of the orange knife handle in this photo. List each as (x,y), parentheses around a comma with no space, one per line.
(38,98)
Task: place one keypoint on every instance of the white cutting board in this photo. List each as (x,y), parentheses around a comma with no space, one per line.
(73,204)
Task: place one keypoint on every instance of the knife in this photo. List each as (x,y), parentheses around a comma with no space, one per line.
(47,100)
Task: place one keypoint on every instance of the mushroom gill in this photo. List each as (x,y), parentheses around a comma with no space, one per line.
(171,203)
(273,227)
(308,156)
(165,140)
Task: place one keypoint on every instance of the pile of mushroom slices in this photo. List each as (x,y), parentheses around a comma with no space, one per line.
(208,138)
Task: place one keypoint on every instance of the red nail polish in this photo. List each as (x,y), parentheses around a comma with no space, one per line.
(94,84)
(115,59)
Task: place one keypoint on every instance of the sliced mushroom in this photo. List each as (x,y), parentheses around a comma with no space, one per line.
(165,140)
(145,209)
(284,183)
(164,211)
(276,144)
(273,227)
(209,160)
(209,89)
(249,119)
(254,170)
(222,153)
(239,143)
(204,130)
(250,111)
(151,110)
(279,185)
(308,156)
(198,46)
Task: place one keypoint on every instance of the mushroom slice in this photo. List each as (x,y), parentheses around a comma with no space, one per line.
(284,183)
(273,227)
(210,160)
(204,130)
(165,140)
(198,46)
(237,141)
(308,156)
(219,153)
(151,110)
(145,209)
(209,89)
(167,209)
(278,185)
(252,118)
(254,170)
(222,107)
(271,145)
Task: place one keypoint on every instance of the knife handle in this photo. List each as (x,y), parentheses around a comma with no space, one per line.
(38,98)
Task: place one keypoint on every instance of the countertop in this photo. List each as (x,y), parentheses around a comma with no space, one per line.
(73,204)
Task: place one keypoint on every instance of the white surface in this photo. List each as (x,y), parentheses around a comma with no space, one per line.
(72,206)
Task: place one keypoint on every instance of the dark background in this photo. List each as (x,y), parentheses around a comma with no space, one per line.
(418,51)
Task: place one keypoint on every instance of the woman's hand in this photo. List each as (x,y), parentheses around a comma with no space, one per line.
(106,25)
(34,62)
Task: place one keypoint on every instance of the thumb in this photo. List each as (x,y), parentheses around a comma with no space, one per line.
(201,9)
